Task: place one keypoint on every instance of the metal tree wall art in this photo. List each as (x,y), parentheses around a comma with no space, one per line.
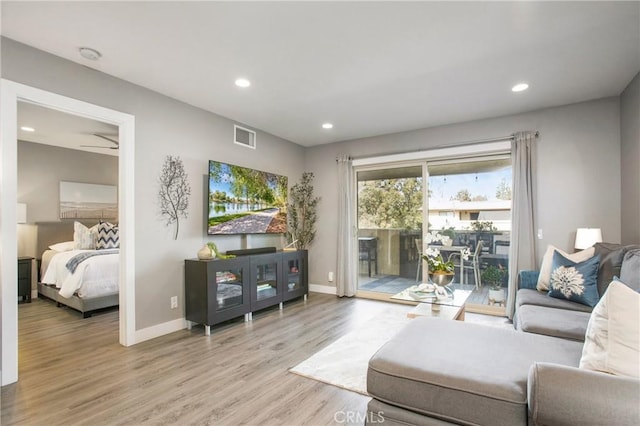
(302,213)
(174,192)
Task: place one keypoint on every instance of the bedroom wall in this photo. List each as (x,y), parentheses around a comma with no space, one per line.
(164,126)
(630,161)
(578,182)
(42,167)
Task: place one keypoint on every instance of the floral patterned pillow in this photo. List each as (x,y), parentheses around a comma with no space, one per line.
(574,281)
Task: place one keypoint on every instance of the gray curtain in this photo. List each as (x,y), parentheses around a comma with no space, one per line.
(522,251)
(346,276)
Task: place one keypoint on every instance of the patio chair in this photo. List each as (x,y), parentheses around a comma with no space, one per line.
(419,247)
(473,264)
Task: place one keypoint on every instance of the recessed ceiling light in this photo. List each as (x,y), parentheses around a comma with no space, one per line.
(520,87)
(243,82)
(327,126)
(27,129)
(89,53)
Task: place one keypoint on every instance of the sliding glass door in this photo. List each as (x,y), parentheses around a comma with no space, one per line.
(400,208)
(390,216)
(470,202)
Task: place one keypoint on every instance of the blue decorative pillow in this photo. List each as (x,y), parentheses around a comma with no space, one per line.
(573,281)
(108,236)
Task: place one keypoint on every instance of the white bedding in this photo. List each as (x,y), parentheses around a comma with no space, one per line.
(93,277)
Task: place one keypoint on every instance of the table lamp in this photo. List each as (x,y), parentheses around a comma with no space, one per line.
(586,237)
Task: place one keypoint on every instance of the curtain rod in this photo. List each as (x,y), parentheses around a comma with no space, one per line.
(503,138)
(473,142)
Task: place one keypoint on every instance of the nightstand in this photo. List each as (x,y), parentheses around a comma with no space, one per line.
(24,278)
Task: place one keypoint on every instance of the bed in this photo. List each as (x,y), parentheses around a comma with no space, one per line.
(84,279)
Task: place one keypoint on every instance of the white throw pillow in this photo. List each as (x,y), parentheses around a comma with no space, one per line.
(84,238)
(624,331)
(596,339)
(612,341)
(66,246)
(545,269)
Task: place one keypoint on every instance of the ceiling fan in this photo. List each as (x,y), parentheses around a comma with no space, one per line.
(107,138)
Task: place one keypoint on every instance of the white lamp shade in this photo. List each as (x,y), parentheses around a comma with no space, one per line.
(586,237)
(21,213)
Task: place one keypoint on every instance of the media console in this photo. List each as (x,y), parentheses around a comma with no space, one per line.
(222,289)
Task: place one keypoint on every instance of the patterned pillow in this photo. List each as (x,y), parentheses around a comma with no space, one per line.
(545,268)
(574,281)
(108,236)
(83,237)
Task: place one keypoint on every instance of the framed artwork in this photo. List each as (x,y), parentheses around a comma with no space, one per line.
(88,201)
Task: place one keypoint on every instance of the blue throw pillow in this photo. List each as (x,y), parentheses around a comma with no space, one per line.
(577,282)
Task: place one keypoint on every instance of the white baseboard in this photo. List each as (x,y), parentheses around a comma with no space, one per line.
(180,323)
(160,330)
(326,289)
(34,294)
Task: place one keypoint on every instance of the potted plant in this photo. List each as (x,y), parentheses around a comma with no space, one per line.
(450,233)
(302,212)
(495,277)
(483,226)
(441,272)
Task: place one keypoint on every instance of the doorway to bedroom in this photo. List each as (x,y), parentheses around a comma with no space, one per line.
(68,192)
(15,97)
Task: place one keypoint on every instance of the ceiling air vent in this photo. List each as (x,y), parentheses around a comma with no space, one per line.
(244,137)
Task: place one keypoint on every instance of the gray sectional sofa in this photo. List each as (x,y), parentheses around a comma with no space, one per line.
(540,314)
(437,372)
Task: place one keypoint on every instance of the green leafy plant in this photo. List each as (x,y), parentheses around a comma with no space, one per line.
(483,226)
(302,212)
(214,249)
(494,276)
(449,232)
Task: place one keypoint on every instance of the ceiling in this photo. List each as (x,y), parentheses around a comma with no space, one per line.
(369,68)
(57,128)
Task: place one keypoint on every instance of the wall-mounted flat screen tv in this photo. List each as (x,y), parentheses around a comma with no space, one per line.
(245,201)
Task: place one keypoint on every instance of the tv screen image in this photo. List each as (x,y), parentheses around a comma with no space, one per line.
(246,201)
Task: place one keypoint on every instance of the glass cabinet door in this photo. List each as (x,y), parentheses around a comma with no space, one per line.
(292,273)
(229,291)
(266,280)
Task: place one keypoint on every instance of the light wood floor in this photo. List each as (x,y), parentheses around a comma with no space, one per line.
(73,371)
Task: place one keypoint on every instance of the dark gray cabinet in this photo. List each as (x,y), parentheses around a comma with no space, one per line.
(24,278)
(222,289)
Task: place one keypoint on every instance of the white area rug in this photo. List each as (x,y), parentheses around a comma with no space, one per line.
(344,362)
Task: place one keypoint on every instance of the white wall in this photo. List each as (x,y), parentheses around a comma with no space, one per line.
(630,161)
(164,126)
(578,183)
(42,167)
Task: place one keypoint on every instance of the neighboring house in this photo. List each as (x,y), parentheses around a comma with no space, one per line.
(460,214)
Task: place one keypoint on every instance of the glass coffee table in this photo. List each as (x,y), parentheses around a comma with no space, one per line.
(452,307)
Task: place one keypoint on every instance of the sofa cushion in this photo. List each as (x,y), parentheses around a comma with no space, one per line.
(473,371)
(534,297)
(611,258)
(574,281)
(383,414)
(630,269)
(552,322)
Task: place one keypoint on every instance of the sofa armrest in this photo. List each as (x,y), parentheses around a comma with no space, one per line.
(561,395)
(528,279)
